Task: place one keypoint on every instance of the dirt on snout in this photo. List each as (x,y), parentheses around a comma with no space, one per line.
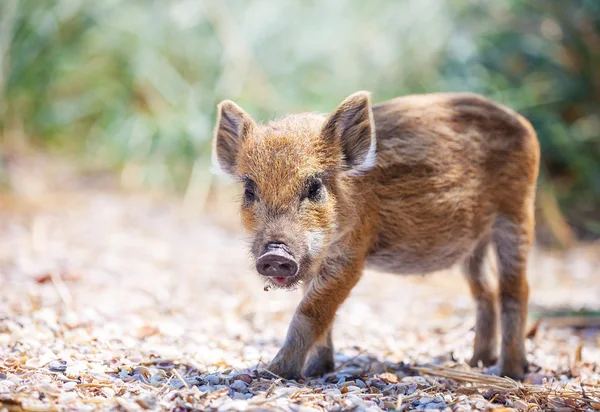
(121,302)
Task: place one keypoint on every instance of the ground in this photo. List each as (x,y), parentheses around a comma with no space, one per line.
(123,302)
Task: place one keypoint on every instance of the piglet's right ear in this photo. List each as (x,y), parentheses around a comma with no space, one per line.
(351,126)
(233,125)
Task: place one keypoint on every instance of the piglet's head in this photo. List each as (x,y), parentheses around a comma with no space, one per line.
(295,172)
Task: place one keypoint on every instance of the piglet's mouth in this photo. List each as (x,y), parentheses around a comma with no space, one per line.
(281,282)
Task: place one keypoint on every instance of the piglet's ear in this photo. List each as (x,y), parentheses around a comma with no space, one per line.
(233,125)
(351,125)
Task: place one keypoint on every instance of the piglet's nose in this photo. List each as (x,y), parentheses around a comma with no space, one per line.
(276,262)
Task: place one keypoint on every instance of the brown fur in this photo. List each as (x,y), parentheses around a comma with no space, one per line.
(454,173)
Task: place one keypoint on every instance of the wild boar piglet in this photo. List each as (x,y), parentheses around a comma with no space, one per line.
(409,186)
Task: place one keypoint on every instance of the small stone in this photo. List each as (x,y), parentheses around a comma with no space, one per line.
(239,386)
(212,379)
(352,388)
(390,389)
(33,363)
(422,401)
(480,404)
(124,374)
(243,377)
(411,389)
(58,366)
(10,362)
(374,389)
(69,386)
(108,392)
(165,365)
(142,370)
(353,401)
(3,376)
(193,380)
(388,377)
(361,384)
(416,380)
(436,403)
(176,383)
(376,382)
(156,380)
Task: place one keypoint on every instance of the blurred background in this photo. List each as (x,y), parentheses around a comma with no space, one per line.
(127,90)
(118,247)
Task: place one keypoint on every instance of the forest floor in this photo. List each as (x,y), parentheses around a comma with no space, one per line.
(113,301)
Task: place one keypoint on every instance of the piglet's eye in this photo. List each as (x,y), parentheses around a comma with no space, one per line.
(314,189)
(249,191)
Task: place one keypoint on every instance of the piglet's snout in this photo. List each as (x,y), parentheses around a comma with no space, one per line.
(277,262)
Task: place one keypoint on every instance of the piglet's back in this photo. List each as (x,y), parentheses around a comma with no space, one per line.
(447,165)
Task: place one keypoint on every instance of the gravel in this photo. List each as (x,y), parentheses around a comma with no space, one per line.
(113,301)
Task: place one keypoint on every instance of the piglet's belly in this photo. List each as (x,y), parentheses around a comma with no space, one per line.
(413,261)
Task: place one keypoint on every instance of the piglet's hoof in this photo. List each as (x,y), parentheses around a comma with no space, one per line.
(516,372)
(318,367)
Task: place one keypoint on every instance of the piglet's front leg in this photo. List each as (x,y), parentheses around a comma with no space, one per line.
(314,316)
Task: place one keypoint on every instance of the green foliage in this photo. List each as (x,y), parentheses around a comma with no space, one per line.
(136,82)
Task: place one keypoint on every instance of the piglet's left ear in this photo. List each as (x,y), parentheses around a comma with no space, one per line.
(351,126)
